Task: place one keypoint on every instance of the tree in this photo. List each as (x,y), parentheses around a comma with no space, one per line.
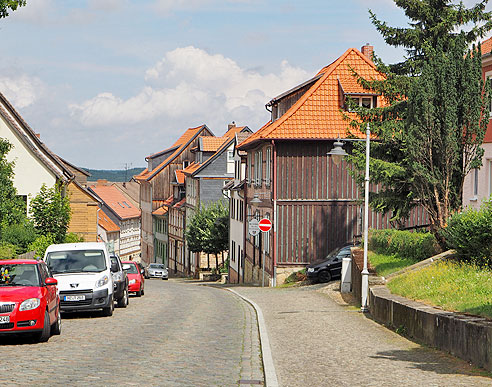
(430,131)
(12,207)
(208,230)
(51,212)
(12,5)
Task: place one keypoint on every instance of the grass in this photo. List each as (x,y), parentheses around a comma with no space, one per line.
(450,285)
(387,264)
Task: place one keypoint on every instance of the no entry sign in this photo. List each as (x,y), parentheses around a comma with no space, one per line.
(265,225)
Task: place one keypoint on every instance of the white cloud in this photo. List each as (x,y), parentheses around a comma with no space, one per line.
(38,11)
(189,82)
(21,91)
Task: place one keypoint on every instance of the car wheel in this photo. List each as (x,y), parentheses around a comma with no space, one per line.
(123,301)
(56,328)
(139,293)
(324,276)
(108,311)
(143,291)
(46,332)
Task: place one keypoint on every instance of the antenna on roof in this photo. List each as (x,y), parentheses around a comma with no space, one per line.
(127,166)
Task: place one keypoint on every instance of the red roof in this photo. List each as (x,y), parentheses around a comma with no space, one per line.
(211,144)
(106,223)
(169,201)
(487,46)
(116,201)
(160,211)
(180,177)
(180,204)
(316,115)
(191,168)
(182,142)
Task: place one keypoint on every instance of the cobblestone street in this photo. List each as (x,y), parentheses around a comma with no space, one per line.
(178,334)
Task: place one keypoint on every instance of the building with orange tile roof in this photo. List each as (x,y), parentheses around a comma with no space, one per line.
(124,214)
(290,179)
(108,232)
(478,183)
(155,188)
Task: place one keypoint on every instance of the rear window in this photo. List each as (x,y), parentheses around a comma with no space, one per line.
(24,274)
(76,261)
(156,266)
(130,268)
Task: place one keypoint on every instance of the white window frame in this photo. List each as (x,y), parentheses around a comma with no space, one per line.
(268,166)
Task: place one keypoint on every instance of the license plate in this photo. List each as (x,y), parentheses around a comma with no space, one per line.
(4,319)
(74,298)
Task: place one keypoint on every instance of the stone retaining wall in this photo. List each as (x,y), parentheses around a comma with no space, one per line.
(466,337)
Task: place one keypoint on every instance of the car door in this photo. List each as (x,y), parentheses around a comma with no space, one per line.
(51,296)
(336,266)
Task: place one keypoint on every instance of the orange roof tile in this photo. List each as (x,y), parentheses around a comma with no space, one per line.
(233,130)
(487,46)
(191,168)
(180,204)
(160,211)
(106,223)
(181,143)
(169,201)
(211,144)
(317,115)
(180,177)
(116,201)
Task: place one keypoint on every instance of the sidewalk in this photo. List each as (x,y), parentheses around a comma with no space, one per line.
(316,340)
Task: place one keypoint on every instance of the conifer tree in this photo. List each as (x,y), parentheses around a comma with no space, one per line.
(430,132)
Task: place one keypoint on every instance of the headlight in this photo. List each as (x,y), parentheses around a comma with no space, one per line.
(310,269)
(30,304)
(117,276)
(132,281)
(103,281)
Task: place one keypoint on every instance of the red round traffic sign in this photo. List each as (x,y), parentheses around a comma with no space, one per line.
(265,225)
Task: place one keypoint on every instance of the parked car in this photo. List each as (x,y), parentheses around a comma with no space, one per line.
(29,301)
(157,270)
(83,271)
(329,268)
(136,281)
(120,282)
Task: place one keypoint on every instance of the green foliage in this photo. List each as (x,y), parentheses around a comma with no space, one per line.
(430,132)
(385,264)
(51,212)
(20,235)
(10,5)
(449,285)
(415,246)
(12,208)
(208,230)
(41,244)
(7,250)
(470,234)
(73,238)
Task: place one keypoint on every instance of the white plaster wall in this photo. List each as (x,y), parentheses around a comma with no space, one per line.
(237,235)
(484,181)
(129,236)
(30,173)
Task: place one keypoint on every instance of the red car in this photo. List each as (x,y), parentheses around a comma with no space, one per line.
(136,279)
(29,301)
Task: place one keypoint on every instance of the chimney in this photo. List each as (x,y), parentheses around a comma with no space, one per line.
(101,182)
(230,126)
(37,135)
(367,50)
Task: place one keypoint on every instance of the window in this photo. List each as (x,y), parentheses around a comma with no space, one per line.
(233,251)
(268,166)
(250,169)
(475,183)
(367,102)
(230,156)
(258,168)
(185,164)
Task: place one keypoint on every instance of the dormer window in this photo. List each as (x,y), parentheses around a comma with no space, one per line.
(365,101)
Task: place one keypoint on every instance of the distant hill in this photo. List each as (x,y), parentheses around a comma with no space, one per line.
(115,175)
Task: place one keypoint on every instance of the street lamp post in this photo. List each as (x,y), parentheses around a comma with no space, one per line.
(365,272)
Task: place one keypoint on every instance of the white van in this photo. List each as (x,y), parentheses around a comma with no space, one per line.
(83,271)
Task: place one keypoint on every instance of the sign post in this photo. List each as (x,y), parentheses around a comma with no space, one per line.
(264,225)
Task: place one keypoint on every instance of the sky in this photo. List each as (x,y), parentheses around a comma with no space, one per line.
(108,82)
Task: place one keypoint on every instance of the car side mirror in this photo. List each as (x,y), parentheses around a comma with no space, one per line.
(142,271)
(51,281)
(114,267)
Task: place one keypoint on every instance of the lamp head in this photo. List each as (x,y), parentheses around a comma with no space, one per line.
(337,153)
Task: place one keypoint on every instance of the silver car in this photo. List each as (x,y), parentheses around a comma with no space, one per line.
(157,270)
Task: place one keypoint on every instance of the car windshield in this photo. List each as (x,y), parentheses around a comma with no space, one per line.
(156,266)
(130,268)
(19,275)
(76,261)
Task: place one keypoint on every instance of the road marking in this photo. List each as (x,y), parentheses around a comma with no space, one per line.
(266,353)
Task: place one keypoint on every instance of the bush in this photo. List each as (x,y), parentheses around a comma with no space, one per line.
(41,244)
(406,244)
(73,238)
(470,234)
(7,250)
(20,235)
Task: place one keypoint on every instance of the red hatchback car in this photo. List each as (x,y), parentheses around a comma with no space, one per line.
(29,301)
(136,279)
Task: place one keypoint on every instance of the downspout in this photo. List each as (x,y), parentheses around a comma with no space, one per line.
(274,282)
(97,224)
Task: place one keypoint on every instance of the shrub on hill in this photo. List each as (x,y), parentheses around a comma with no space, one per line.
(470,233)
(406,244)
